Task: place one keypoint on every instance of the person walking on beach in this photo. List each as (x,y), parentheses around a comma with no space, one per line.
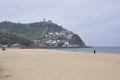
(94,52)
(3,48)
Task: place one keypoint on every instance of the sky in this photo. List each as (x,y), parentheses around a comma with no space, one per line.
(97,22)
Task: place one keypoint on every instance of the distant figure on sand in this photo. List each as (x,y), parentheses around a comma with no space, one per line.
(74,50)
(3,48)
(94,52)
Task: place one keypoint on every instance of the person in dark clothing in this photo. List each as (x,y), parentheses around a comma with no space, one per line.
(3,48)
(94,52)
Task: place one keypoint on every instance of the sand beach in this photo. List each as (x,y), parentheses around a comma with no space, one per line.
(43,64)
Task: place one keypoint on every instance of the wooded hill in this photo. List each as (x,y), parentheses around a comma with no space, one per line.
(12,33)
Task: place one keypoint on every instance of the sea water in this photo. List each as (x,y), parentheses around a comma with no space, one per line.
(114,50)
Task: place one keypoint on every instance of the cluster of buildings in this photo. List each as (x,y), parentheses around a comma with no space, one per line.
(50,40)
(56,39)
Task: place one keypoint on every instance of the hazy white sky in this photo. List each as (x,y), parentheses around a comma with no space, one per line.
(96,21)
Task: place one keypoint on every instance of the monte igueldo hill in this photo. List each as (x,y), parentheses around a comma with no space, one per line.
(43,34)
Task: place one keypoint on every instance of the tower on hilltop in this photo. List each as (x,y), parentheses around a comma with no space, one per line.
(44,20)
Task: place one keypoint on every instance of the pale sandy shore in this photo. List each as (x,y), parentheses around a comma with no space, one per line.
(41,64)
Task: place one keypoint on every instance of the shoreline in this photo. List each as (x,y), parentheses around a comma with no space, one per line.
(60,50)
(108,50)
(91,50)
(46,64)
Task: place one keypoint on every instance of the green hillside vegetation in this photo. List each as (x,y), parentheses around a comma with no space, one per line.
(11,33)
(32,31)
(9,39)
